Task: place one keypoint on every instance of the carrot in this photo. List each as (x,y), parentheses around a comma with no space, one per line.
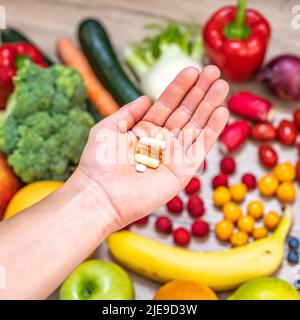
(73,57)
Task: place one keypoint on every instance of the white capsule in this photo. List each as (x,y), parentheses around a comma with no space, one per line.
(140,167)
(152,142)
(147,161)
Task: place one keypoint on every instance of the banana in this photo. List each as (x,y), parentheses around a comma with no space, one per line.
(220,270)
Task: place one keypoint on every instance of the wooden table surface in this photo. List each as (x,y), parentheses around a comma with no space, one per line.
(44,20)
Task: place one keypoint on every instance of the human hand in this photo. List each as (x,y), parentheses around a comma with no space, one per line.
(189,116)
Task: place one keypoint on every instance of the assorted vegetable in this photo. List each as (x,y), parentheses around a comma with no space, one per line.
(282,76)
(229,37)
(98,50)
(12,57)
(158,58)
(267,156)
(287,132)
(10,35)
(234,135)
(46,124)
(263,132)
(250,106)
(98,96)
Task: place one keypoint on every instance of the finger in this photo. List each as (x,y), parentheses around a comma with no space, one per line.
(209,135)
(172,96)
(213,99)
(128,115)
(180,117)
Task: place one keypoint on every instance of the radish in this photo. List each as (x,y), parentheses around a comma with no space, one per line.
(234,135)
(251,106)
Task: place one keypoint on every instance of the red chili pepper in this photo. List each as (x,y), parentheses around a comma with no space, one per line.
(12,57)
(236,40)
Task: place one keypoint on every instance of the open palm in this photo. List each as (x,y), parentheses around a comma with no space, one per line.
(187,114)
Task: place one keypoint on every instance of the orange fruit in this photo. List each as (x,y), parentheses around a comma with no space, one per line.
(259,233)
(29,195)
(285,172)
(238,192)
(255,209)
(224,229)
(246,224)
(271,220)
(239,238)
(221,196)
(184,290)
(286,192)
(267,185)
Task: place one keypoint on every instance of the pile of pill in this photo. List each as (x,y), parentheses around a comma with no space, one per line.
(149,152)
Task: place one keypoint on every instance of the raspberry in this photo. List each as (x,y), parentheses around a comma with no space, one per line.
(163,224)
(227,165)
(181,236)
(142,221)
(249,180)
(193,186)
(220,180)
(200,228)
(175,205)
(195,206)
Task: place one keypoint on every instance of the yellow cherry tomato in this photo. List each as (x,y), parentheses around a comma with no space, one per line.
(271,220)
(224,229)
(259,233)
(221,196)
(239,238)
(286,192)
(232,211)
(255,209)
(268,184)
(238,192)
(246,224)
(285,172)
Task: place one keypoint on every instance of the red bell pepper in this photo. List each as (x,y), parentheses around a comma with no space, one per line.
(12,56)
(236,40)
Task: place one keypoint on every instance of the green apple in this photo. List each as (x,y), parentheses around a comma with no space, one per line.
(97,280)
(265,289)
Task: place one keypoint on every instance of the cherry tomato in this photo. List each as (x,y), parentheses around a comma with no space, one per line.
(267,156)
(263,132)
(287,132)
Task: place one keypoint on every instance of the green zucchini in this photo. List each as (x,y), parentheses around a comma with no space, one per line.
(11,35)
(98,49)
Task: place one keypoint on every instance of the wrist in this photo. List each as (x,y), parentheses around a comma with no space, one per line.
(88,199)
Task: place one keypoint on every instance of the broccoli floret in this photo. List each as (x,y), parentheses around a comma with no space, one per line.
(47,125)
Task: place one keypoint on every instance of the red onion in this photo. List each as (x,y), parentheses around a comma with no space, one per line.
(282,76)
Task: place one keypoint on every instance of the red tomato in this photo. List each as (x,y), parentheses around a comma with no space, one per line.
(267,156)
(287,132)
